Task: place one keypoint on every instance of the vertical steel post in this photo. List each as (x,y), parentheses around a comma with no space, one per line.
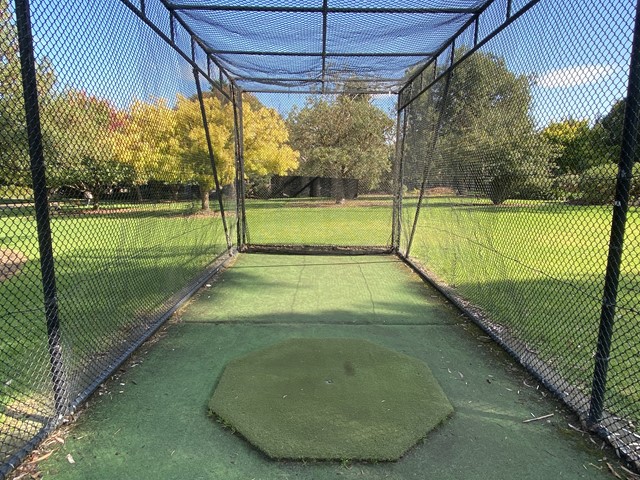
(240,191)
(205,124)
(628,153)
(425,171)
(41,200)
(398,174)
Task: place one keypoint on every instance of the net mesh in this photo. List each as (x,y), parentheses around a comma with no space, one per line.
(125,188)
(510,158)
(478,139)
(317,45)
(329,183)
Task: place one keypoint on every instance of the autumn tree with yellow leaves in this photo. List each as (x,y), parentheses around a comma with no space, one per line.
(148,142)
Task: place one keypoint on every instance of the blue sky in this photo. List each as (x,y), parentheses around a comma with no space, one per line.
(577,51)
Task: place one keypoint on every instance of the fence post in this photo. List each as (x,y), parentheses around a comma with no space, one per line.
(216,181)
(428,158)
(401,125)
(628,152)
(41,200)
(240,192)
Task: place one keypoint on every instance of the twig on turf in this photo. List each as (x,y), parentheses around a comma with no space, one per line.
(535,419)
(575,428)
(612,470)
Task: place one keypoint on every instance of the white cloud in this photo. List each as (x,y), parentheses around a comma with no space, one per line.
(574,76)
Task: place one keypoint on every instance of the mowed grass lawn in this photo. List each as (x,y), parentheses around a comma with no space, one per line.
(538,269)
(320,221)
(115,270)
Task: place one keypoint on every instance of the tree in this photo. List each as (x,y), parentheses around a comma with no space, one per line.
(266,147)
(579,147)
(610,127)
(80,129)
(194,152)
(14,153)
(597,185)
(345,138)
(146,139)
(486,143)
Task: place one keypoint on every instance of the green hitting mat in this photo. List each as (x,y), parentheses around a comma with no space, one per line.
(343,399)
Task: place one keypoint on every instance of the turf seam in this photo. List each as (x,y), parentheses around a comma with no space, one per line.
(295,294)
(289,324)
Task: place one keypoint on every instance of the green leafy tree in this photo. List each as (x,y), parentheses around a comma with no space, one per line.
(345,138)
(597,185)
(486,143)
(80,129)
(610,127)
(14,154)
(579,147)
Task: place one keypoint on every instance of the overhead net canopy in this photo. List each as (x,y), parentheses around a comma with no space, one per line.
(323,46)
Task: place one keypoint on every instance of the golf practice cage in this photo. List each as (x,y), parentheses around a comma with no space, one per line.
(490,144)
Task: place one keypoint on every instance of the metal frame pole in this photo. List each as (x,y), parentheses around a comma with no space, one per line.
(628,153)
(240,190)
(205,124)
(425,171)
(398,174)
(41,201)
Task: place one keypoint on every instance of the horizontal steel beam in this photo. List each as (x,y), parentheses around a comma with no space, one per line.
(317,80)
(317,92)
(319,54)
(284,9)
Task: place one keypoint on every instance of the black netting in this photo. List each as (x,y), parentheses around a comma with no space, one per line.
(328,42)
(479,139)
(511,160)
(127,176)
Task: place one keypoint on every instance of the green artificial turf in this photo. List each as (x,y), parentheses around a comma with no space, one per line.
(330,398)
(538,269)
(151,422)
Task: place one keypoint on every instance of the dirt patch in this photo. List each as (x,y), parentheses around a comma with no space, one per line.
(11,262)
(209,213)
(440,192)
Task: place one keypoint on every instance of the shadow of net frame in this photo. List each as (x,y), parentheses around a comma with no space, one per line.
(426,175)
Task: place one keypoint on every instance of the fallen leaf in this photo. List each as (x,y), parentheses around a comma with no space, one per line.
(43,457)
(70,458)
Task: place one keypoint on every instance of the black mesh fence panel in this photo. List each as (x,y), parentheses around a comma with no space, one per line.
(512,158)
(480,139)
(133,212)
(328,181)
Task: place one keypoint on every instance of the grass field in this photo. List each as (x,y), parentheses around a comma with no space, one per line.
(313,221)
(536,269)
(115,271)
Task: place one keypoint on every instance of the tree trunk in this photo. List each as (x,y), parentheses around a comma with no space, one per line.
(338,190)
(138,192)
(204,198)
(96,199)
(175,191)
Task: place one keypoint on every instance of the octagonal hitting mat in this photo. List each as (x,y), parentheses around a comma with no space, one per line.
(330,399)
